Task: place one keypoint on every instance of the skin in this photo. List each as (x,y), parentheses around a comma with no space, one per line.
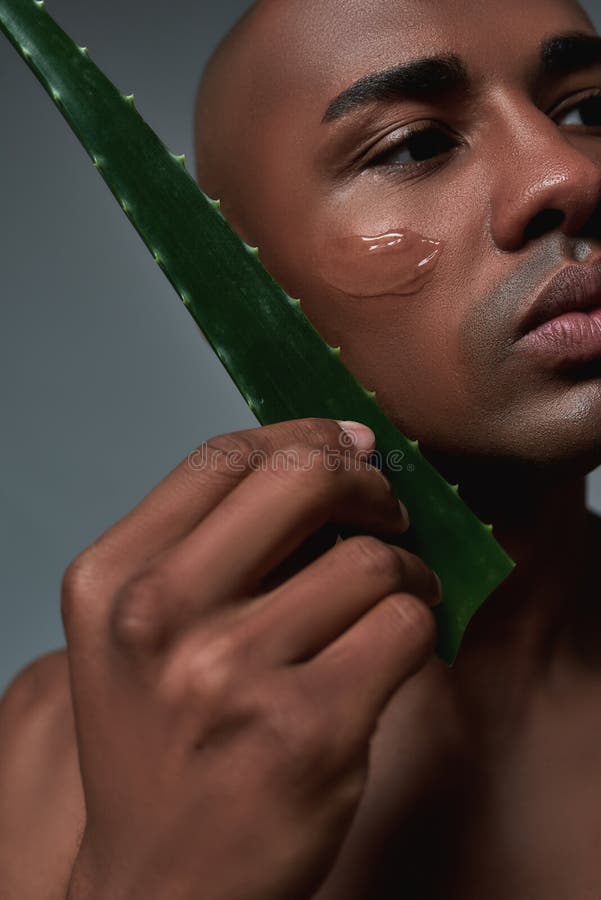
(491,769)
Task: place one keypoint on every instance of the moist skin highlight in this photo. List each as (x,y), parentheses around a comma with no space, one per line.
(397,261)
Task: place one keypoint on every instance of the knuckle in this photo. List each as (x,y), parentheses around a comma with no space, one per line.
(78,583)
(376,557)
(301,463)
(138,616)
(226,454)
(233,442)
(201,674)
(315,432)
(412,618)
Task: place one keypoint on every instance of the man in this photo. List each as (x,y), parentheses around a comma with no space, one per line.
(259,713)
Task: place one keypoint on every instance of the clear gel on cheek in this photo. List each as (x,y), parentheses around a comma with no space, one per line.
(399,261)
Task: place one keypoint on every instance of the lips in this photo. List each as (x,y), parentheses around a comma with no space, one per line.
(572,289)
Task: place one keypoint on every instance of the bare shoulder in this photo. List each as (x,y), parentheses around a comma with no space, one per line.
(36,714)
(45,679)
(41,800)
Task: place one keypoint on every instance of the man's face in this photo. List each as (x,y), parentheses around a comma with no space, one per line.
(507,177)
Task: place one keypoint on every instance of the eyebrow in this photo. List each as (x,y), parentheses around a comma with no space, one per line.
(436,77)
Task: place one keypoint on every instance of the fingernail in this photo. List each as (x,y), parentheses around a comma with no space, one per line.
(439,598)
(404,511)
(360,436)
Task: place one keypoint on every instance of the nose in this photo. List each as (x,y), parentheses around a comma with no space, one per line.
(545,178)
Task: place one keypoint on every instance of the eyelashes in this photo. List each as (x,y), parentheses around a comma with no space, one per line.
(425,143)
(592,106)
(430,142)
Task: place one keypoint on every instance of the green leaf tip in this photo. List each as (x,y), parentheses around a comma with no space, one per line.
(180,158)
(83,51)
(39,3)
(371,394)
(254,251)
(414,444)
(454,487)
(216,204)
(335,351)
(129,98)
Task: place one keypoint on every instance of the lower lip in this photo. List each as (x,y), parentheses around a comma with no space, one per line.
(573,337)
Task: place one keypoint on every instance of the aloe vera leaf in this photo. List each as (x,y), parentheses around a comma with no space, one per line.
(279,362)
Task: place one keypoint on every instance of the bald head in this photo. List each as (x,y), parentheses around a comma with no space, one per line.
(214,92)
(257,70)
(232,96)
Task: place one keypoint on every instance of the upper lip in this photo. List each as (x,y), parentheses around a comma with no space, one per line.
(572,288)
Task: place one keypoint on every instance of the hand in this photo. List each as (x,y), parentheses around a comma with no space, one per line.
(227,678)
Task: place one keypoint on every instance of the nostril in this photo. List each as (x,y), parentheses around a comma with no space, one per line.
(545,220)
(592,228)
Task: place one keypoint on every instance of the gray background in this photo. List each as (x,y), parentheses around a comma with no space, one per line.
(105,382)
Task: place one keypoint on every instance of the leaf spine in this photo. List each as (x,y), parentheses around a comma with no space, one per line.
(414,444)
(39,3)
(254,251)
(129,98)
(335,351)
(83,51)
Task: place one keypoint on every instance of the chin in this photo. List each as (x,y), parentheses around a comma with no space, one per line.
(568,450)
(564,435)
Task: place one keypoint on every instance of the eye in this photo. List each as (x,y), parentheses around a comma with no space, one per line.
(415,148)
(588,109)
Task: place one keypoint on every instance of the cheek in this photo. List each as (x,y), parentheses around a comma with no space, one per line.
(409,355)
(377,286)
(374,289)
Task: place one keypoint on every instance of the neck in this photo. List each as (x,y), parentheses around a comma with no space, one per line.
(546,531)
(541,615)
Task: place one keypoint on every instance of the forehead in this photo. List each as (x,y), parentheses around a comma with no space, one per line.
(324,45)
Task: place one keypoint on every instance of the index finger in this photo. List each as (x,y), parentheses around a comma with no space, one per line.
(198,484)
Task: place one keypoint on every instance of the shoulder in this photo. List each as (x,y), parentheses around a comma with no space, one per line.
(36,713)
(42,686)
(41,798)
